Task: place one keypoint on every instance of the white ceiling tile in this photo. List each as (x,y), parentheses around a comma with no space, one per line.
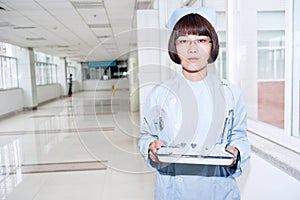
(62,25)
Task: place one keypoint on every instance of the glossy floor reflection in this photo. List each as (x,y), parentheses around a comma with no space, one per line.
(83,147)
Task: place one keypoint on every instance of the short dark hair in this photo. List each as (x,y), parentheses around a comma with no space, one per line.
(193,24)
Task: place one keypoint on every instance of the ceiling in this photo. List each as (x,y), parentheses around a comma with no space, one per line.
(80,30)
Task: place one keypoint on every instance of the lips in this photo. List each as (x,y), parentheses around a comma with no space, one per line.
(193,59)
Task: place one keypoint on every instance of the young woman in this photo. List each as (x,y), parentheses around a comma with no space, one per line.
(187,109)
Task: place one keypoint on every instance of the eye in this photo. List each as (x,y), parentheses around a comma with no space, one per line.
(201,41)
(182,41)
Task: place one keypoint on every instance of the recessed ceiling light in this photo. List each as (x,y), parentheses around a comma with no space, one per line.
(24,27)
(99,25)
(87,4)
(5,24)
(103,36)
(144,4)
(36,39)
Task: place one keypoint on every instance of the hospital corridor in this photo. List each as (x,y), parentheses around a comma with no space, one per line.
(149,99)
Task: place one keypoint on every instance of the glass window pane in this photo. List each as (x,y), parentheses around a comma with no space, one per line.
(46,69)
(265,64)
(71,70)
(49,73)
(296,64)
(1,74)
(261,56)
(280,64)
(37,74)
(270,67)
(14,71)
(44,75)
(54,73)
(8,73)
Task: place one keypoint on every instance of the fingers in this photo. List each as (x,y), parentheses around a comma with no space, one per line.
(158,144)
(153,157)
(235,152)
(153,147)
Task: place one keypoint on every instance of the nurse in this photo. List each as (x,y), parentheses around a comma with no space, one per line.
(187,109)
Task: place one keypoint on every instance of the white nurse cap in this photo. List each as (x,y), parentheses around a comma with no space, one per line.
(207,13)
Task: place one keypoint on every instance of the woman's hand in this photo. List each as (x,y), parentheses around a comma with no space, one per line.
(235,152)
(153,147)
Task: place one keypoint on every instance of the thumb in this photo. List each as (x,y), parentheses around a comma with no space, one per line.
(158,144)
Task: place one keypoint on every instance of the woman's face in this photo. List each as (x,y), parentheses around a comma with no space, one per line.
(193,51)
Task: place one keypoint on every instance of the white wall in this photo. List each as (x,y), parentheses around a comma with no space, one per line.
(26,74)
(261,180)
(105,84)
(11,101)
(133,82)
(148,52)
(154,64)
(48,92)
(61,75)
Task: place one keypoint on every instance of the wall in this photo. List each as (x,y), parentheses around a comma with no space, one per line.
(105,84)
(11,101)
(148,52)
(47,92)
(154,64)
(271,103)
(133,82)
(26,77)
(261,180)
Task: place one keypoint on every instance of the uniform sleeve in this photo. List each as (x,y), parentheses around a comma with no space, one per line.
(146,133)
(238,137)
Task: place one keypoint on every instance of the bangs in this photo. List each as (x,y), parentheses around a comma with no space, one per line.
(192,25)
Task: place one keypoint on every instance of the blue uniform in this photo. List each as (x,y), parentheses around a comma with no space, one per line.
(190,181)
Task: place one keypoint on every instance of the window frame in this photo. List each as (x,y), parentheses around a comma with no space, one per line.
(3,78)
(45,73)
(285,137)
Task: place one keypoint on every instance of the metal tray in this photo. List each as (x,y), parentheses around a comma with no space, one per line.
(193,156)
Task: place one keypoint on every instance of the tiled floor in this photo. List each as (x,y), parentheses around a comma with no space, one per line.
(78,148)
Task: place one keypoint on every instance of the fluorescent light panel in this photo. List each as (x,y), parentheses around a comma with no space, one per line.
(99,25)
(36,39)
(87,4)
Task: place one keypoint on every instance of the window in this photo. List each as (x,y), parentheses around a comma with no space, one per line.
(46,73)
(105,70)
(9,73)
(271,67)
(220,63)
(45,69)
(8,67)
(221,31)
(71,70)
(268,63)
(295,61)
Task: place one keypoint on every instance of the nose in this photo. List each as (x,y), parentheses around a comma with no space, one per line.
(192,46)
(192,42)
